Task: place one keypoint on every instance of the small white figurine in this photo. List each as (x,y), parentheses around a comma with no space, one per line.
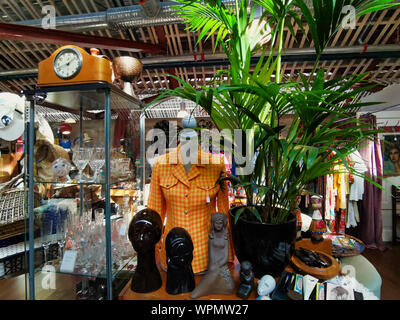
(61,168)
(266,285)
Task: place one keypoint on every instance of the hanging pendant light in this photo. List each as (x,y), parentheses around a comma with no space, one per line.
(182,112)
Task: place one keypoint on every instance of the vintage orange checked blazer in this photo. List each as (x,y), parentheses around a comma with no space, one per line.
(182,199)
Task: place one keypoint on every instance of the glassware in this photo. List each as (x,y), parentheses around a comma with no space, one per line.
(80,157)
(61,236)
(83,294)
(124,165)
(45,234)
(96,162)
(99,216)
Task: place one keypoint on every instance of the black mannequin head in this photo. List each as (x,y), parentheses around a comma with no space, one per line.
(145,230)
(179,248)
(144,233)
(246,267)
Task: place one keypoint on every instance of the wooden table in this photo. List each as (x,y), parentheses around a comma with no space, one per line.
(14,288)
(161,294)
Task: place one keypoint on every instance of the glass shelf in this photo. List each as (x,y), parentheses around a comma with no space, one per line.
(102,274)
(87,96)
(75,183)
(97,109)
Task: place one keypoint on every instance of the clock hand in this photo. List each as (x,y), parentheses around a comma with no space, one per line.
(66,63)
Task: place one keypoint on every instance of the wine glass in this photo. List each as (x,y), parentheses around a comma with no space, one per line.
(80,157)
(62,230)
(99,216)
(96,162)
(124,164)
(45,234)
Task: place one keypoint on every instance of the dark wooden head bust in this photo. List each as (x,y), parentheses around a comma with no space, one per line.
(246,280)
(144,233)
(179,251)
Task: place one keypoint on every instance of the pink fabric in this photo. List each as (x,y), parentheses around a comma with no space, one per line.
(371,215)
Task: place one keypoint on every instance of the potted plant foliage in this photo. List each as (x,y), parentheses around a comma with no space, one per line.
(254,95)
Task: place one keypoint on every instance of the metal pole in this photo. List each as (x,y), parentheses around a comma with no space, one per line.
(107,195)
(142,152)
(31,202)
(80,145)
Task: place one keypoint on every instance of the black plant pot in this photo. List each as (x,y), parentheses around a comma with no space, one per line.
(268,247)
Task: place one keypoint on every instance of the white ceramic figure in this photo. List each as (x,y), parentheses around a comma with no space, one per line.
(61,168)
(265,286)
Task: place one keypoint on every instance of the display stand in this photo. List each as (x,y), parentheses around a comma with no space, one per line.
(161,294)
(98,101)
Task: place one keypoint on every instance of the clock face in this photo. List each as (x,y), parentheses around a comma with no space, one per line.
(67,63)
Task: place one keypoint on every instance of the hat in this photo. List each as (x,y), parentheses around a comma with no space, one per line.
(11,116)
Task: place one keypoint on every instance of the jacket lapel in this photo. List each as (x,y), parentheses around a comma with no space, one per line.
(179,172)
(178,169)
(193,172)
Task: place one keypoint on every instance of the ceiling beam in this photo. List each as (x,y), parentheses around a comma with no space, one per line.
(33,34)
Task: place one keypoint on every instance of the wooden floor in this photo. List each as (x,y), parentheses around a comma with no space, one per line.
(387,263)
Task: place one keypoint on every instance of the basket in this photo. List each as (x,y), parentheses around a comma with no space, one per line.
(12,214)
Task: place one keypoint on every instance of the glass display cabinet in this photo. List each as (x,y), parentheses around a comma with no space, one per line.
(77,244)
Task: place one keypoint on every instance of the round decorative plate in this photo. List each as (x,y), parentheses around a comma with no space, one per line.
(344,245)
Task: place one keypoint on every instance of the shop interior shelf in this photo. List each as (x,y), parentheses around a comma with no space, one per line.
(75,183)
(88,96)
(102,274)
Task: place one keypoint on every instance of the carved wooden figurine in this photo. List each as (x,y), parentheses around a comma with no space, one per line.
(144,233)
(318,226)
(218,278)
(179,250)
(246,280)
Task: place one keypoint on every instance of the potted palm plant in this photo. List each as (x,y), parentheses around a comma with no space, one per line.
(254,96)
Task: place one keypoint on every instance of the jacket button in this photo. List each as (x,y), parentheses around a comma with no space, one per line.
(185,212)
(186,195)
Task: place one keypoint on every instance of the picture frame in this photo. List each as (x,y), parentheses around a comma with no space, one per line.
(391,154)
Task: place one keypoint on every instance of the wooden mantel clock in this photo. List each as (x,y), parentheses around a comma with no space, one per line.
(73,65)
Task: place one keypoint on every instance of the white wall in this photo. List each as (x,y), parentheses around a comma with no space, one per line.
(387,208)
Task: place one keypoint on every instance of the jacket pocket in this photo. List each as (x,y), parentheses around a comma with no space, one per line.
(168,182)
(208,190)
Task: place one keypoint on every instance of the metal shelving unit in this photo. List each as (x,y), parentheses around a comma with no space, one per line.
(85,100)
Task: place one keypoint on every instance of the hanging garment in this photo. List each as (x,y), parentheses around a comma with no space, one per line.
(188,200)
(341,218)
(357,187)
(341,183)
(330,197)
(119,129)
(331,226)
(371,227)
(351,215)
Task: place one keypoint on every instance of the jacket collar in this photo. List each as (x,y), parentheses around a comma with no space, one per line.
(178,169)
